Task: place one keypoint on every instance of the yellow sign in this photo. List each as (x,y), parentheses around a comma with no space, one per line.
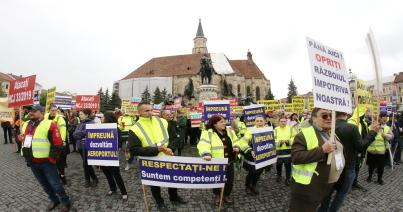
(375,107)
(288,107)
(128,108)
(50,98)
(271,105)
(363,93)
(310,103)
(237,108)
(6,114)
(298,104)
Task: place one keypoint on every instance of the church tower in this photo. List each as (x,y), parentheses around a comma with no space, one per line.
(200,42)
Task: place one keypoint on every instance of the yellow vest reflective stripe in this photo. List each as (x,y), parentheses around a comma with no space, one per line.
(40,142)
(143,133)
(303,173)
(210,143)
(281,134)
(379,145)
(242,128)
(129,122)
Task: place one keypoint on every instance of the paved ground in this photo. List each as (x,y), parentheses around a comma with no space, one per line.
(19,190)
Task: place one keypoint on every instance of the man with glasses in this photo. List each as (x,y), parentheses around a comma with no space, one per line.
(312,178)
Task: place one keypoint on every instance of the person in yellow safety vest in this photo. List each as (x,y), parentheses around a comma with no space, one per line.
(219,142)
(242,128)
(245,145)
(42,145)
(358,119)
(125,122)
(284,136)
(61,125)
(377,150)
(149,137)
(312,179)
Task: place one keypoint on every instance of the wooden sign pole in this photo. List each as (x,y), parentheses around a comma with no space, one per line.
(145,198)
(332,136)
(221,197)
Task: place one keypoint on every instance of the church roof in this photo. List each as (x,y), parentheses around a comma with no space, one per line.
(247,69)
(200,30)
(189,65)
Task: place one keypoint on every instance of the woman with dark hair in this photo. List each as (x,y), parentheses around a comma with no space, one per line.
(217,141)
(79,135)
(112,173)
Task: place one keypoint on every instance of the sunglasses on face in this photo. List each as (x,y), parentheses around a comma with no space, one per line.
(326,116)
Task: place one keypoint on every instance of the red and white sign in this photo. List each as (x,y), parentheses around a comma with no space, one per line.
(21,91)
(87,101)
(195,119)
(232,101)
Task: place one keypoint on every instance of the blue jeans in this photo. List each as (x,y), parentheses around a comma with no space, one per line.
(47,175)
(342,189)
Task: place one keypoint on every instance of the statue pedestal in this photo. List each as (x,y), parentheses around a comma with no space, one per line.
(207,91)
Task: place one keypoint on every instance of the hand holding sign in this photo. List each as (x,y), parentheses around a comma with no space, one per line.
(329,146)
(207,157)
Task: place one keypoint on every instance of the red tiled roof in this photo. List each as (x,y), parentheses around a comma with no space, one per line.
(247,69)
(177,65)
(7,77)
(188,65)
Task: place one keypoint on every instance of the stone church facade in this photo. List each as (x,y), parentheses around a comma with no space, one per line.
(243,78)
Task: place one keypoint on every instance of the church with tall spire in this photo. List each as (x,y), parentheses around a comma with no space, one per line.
(177,73)
(200,42)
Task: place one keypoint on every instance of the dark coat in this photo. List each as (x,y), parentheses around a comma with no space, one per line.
(319,186)
(352,142)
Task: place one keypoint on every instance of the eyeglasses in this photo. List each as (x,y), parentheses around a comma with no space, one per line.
(326,116)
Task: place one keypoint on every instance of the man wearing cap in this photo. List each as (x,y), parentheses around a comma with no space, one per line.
(376,151)
(42,145)
(149,137)
(353,144)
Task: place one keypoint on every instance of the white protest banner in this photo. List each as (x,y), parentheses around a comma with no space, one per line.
(330,85)
(183,172)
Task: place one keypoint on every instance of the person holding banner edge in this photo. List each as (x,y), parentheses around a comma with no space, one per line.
(312,179)
(112,173)
(218,141)
(149,137)
(249,157)
(79,135)
(284,136)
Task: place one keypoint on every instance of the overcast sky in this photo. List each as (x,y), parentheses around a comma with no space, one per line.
(82,45)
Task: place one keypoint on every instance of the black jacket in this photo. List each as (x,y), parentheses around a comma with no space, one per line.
(352,142)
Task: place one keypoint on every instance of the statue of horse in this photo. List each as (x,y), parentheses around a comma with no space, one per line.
(206,70)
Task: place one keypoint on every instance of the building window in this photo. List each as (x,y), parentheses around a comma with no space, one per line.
(257,93)
(248,93)
(6,86)
(239,89)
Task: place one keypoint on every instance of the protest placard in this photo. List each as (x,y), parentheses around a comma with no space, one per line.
(50,98)
(310,103)
(182,172)
(330,82)
(101,143)
(288,108)
(298,104)
(87,101)
(217,108)
(263,145)
(195,119)
(6,113)
(250,113)
(21,91)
